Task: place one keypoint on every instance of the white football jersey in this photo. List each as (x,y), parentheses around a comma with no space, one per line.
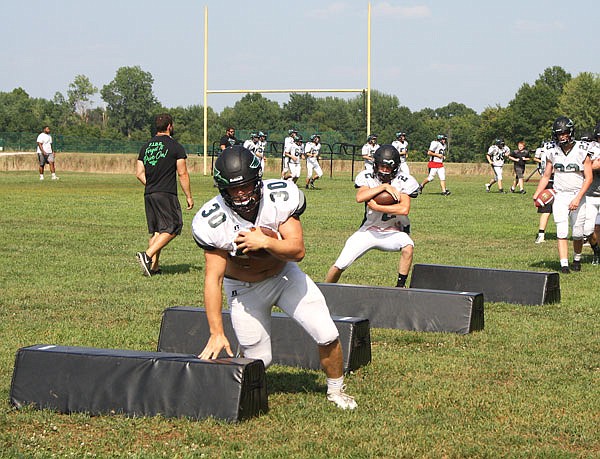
(594,153)
(216,225)
(369,149)
(402,147)
(296,151)
(251,145)
(568,169)
(380,221)
(497,154)
(312,151)
(439,148)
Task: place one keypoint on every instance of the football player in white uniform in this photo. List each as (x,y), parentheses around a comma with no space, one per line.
(368,150)
(496,155)
(437,154)
(591,227)
(252,143)
(544,211)
(401,145)
(258,271)
(261,149)
(312,150)
(294,153)
(569,160)
(384,227)
(287,143)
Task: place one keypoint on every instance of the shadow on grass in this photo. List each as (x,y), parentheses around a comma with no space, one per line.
(290,380)
(179,269)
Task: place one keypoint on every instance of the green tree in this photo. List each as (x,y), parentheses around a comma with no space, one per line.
(580,101)
(79,96)
(130,101)
(534,107)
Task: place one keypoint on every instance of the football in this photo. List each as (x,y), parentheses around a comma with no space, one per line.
(385,199)
(544,198)
(262,253)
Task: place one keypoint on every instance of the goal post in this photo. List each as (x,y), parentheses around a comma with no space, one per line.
(207,91)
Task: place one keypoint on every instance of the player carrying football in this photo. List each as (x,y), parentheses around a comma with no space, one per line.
(384,227)
(258,271)
(568,159)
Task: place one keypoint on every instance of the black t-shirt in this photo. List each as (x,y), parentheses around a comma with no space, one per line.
(228,141)
(521,155)
(160,157)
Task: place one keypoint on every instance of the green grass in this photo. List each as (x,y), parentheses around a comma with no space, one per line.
(526,386)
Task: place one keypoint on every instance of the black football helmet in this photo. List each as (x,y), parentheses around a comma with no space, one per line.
(389,156)
(441,137)
(400,134)
(371,138)
(561,125)
(237,166)
(298,139)
(500,142)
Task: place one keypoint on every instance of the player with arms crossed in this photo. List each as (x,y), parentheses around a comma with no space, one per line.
(258,271)
(384,227)
(568,159)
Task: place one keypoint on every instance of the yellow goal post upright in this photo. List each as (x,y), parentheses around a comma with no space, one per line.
(289,91)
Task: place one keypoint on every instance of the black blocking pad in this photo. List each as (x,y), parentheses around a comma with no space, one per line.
(185,329)
(497,285)
(136,383)
(407,308)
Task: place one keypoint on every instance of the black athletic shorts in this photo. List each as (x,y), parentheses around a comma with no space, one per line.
(519,171)
(163,213)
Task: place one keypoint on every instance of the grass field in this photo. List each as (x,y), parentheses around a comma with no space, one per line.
(526,386)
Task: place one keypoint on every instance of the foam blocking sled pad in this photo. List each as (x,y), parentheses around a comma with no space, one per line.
(185,329)
(407,309)
(497,285)
(108,381)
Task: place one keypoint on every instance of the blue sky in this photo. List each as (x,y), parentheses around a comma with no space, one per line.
(427,53)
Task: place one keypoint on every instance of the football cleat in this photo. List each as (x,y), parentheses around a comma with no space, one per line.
(342,400)
(596,259)
(446,193)
(487,187)
(565,270)
(540,238)
(576,266)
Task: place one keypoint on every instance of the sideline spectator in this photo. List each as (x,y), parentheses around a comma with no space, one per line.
(45,153)
(228,140)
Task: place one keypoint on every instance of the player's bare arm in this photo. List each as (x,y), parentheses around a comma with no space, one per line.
(544,179)
(184,179)
(365,193)
(400,208)
(214,271)
(140,172)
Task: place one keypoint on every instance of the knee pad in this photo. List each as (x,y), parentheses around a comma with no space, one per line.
(562,230)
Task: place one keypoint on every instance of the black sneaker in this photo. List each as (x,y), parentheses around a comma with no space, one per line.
(576,266)
(565,270)
(156,272)
(512,190)
(522,192)
(446,193)
(145,263)
(501,191)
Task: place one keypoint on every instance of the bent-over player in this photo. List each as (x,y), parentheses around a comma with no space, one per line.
(384,227)
(257,271)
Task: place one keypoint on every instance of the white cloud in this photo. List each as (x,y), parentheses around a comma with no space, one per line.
(386,9)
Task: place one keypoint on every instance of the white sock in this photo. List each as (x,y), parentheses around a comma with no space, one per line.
(577,257)
(564,262)
(53,175)
(335,384)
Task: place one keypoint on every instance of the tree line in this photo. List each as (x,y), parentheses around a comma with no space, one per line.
(129,106)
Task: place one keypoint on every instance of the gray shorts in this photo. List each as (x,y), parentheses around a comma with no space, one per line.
(45,159)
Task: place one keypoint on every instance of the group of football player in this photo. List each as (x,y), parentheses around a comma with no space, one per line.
(294,151)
